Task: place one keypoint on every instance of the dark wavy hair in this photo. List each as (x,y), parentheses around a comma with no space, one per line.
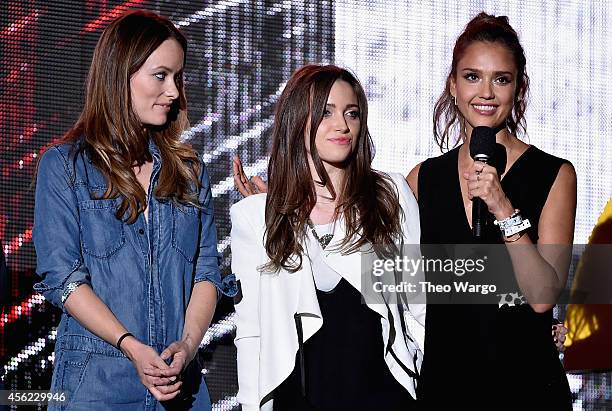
(109,130)
(487,28)
(367,199)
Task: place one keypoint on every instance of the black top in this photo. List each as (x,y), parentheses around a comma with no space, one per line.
(343,361)
(481,353)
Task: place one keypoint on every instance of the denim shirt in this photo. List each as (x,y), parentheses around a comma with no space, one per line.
(144,271)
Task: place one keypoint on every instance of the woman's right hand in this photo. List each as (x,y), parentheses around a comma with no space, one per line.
(245,185)
(146,360)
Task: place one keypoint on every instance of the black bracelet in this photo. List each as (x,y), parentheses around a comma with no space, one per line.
(121,340)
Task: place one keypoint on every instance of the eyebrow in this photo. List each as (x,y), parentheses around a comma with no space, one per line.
(166,68)
(334,106)
(495,72)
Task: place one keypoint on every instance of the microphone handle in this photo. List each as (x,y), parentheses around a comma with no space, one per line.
(478,206)
(478,211)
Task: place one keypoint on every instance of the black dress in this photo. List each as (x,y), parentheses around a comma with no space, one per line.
(486,356)
(343,362)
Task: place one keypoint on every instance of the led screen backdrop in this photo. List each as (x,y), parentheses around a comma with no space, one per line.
(240,54)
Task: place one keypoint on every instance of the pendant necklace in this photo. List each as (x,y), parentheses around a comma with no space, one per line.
(323,240)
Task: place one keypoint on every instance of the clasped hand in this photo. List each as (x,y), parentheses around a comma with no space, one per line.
(161,379)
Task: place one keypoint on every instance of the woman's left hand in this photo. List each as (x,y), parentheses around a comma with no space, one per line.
(483,182)
(181,353)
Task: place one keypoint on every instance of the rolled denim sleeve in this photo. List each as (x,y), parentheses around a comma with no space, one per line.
(207,265)
(56,232)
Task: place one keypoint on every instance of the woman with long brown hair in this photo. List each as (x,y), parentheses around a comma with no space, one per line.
(505,357)
(305,340)
(124,231)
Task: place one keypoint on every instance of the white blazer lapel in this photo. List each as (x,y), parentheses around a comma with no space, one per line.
(307,304)
(282,296)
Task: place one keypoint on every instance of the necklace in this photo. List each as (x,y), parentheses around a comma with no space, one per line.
(324,240)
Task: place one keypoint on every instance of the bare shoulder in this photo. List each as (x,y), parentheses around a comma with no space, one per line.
(566,175)
(413,179)
(564,188)
(558,215)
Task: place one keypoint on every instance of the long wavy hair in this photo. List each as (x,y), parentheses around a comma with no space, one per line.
(487,28)
(367,199)
(109,130)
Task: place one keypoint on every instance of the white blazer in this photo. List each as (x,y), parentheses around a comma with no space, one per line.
(266,335)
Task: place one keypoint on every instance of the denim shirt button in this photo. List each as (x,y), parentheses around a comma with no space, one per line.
(140,231)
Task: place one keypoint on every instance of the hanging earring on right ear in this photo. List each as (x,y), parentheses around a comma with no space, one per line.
(455,98)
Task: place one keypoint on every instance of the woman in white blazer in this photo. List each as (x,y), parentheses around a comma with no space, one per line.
(305,340)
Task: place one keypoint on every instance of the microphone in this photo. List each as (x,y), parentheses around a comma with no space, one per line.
(482,148)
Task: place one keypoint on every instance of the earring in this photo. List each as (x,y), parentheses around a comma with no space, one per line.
(455,98)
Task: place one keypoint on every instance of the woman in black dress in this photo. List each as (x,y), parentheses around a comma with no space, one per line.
(501,357)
